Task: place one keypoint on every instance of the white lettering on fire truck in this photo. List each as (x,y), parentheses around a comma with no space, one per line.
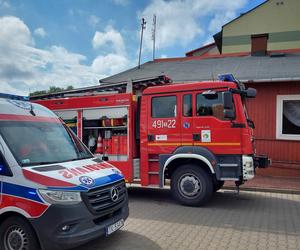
(161,137)
(77,171)
(164,123)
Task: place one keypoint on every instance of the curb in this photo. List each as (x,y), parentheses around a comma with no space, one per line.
(250,189)
(260,189)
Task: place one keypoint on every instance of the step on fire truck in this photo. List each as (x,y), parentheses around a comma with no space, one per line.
(197,135)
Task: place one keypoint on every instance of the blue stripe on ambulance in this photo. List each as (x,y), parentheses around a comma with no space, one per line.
(105,180)
(20,191)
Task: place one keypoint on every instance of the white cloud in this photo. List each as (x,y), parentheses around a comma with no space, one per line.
(93,20)
(180,21)
(24,68)
(115,61)
(111,64)
(111,39)
(219,20)
(13,30)
(40,32)
(4,4)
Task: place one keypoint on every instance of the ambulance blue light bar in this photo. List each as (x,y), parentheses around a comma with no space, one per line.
(227,78)
(14,97)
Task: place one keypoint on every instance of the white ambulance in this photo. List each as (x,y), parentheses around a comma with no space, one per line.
(54,194)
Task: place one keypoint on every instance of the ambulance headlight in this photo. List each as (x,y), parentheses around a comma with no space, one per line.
(60,197)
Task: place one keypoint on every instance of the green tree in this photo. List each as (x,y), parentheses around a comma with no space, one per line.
(52,89)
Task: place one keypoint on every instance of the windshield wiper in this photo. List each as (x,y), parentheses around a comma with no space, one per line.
(81,158)
(38,163)
(31,110)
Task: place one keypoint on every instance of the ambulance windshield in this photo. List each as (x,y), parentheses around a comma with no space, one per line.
(38,143)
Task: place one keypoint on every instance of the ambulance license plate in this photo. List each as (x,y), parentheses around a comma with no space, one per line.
(114,227)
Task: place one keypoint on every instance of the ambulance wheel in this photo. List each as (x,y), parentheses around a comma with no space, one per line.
(17,234)
(191,185)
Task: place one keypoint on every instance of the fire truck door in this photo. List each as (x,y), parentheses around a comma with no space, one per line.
(211,129)
(163,124)
(186,119)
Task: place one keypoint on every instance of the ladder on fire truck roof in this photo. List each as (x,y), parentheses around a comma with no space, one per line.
(108,88)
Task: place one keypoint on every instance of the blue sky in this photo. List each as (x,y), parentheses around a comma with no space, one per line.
(64,42)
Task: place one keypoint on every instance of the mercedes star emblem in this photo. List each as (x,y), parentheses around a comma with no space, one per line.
(114,194)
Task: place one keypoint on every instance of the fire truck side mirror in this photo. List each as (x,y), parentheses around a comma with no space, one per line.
(250,92)
(227,100)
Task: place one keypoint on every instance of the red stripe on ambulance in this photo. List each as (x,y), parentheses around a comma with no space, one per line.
(44,180)
(34,209)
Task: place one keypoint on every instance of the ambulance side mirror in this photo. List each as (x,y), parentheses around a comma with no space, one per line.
(4,169)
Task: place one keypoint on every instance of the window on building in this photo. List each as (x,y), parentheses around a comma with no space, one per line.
(288,117)
(187,107)
(210,106)
(259,44)
(164,107)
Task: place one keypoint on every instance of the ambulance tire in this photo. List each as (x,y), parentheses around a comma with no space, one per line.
(191,185)
(21,234)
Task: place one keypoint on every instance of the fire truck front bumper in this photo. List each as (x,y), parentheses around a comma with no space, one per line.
(69,226)
(262,161)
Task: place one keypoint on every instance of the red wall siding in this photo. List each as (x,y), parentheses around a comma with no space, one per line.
(262,110)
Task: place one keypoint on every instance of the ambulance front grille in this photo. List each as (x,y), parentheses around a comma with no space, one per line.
(99,200)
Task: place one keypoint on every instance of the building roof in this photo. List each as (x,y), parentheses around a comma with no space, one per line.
(202,49)
(278,67)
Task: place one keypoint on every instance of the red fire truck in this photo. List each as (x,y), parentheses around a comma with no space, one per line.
(195,135)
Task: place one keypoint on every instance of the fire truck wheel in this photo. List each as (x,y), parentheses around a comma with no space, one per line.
(17,234)
(191,185)
(218,185)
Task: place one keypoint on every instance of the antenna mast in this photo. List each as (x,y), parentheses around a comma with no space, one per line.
(143,24)
(153,34)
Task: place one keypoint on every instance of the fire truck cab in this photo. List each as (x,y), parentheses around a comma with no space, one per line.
(193,135)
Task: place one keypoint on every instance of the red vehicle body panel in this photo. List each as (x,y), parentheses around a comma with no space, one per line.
(224,138)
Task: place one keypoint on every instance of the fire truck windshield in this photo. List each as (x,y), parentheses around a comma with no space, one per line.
(38,143)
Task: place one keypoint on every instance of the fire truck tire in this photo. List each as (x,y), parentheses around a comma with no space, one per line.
(191,185)
(218,185)
(17,234)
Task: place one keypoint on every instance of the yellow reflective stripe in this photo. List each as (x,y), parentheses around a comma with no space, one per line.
(170,144)
(218,143)
(196,144)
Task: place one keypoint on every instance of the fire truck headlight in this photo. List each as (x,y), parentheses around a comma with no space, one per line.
(248,167)
(60,197)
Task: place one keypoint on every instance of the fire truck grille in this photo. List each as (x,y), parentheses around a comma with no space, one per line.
(106,199)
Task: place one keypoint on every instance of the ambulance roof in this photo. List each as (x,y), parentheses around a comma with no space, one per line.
(11,105)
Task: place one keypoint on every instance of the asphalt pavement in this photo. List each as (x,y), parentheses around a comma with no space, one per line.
(250,220)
